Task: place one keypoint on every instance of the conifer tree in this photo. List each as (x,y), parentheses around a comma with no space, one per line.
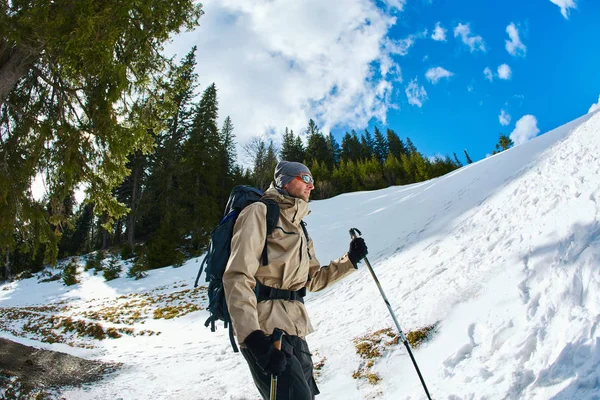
(392,170)
(299,150)
(317,148)
(469,161)
(71,76)
(202,171)
(334,151)
(162,213)
(457,161)
(371,173)
(409,168)
(422,166)
(395,144)
(345,153)
(410,147)
(287,146)
(367,145)
(264,161)
(228,165)
(346,176)
(82,234)
(504,143)
(322,177)
(381,149)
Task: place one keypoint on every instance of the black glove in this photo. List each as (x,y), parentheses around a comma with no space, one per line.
(267,356)
(358,250)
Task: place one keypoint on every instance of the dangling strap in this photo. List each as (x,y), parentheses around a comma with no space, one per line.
(202,265)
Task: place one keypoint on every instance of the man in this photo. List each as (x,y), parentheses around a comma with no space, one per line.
(262,298)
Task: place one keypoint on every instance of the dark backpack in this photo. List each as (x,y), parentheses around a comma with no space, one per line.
(220,247)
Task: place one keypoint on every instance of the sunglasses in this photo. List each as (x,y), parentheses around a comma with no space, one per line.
(306,179)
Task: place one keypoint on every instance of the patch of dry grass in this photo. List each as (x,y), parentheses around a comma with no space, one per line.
(78,326)
(371,346)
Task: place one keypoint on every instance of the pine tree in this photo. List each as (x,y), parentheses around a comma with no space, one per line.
(168,186)
(228,165)
(202,171)
(287,146)
(410,147)
(367,145)
(317,148)
(469,161)
(381,149)
(322,177)
(264,161)
(81,242)
(422,166)
(345,153)
(299,151)
(395,144)
(334,151)
(457,161)
(392,170)
(504,143)
(71,77)
(371,173)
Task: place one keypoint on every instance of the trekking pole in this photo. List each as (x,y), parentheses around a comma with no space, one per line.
(353,235)
(277,337)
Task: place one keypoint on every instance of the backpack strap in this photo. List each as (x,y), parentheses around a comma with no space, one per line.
(202,265)
(303,224)
(272,221)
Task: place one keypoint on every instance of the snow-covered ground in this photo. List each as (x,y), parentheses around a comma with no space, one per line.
(503,255)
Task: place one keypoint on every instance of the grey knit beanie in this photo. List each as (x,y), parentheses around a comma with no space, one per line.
(285,171)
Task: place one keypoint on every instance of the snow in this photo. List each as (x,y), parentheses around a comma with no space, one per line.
(502,255)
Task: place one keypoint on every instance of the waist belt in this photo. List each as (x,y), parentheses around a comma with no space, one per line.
(264,293)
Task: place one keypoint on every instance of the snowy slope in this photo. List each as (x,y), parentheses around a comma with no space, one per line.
(502,255)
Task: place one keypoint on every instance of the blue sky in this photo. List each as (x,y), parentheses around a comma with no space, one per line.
(556,79)
(353,64)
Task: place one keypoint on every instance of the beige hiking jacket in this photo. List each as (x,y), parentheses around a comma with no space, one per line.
(289,268)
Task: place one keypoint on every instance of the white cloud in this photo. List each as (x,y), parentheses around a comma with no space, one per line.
(474,42)
(514,46)
(595,106)
(504,118)
(398,4)
(489,75)
(504,72)
(278,63)
(564,6)
(399,47)
(525,129)
(439,33)
(437,73)
(416,94)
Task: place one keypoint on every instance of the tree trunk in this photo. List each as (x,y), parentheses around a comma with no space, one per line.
(132,213)
(14,63)
(7,265)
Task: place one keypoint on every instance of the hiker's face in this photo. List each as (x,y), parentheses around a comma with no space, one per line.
(298,188)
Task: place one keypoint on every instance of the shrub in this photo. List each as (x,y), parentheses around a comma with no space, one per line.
(95,262)
(69,274)
(113,270)
(139,267)
(126,252)
(162,250)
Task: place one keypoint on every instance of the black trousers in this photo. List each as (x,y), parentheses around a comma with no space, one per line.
(297,381)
